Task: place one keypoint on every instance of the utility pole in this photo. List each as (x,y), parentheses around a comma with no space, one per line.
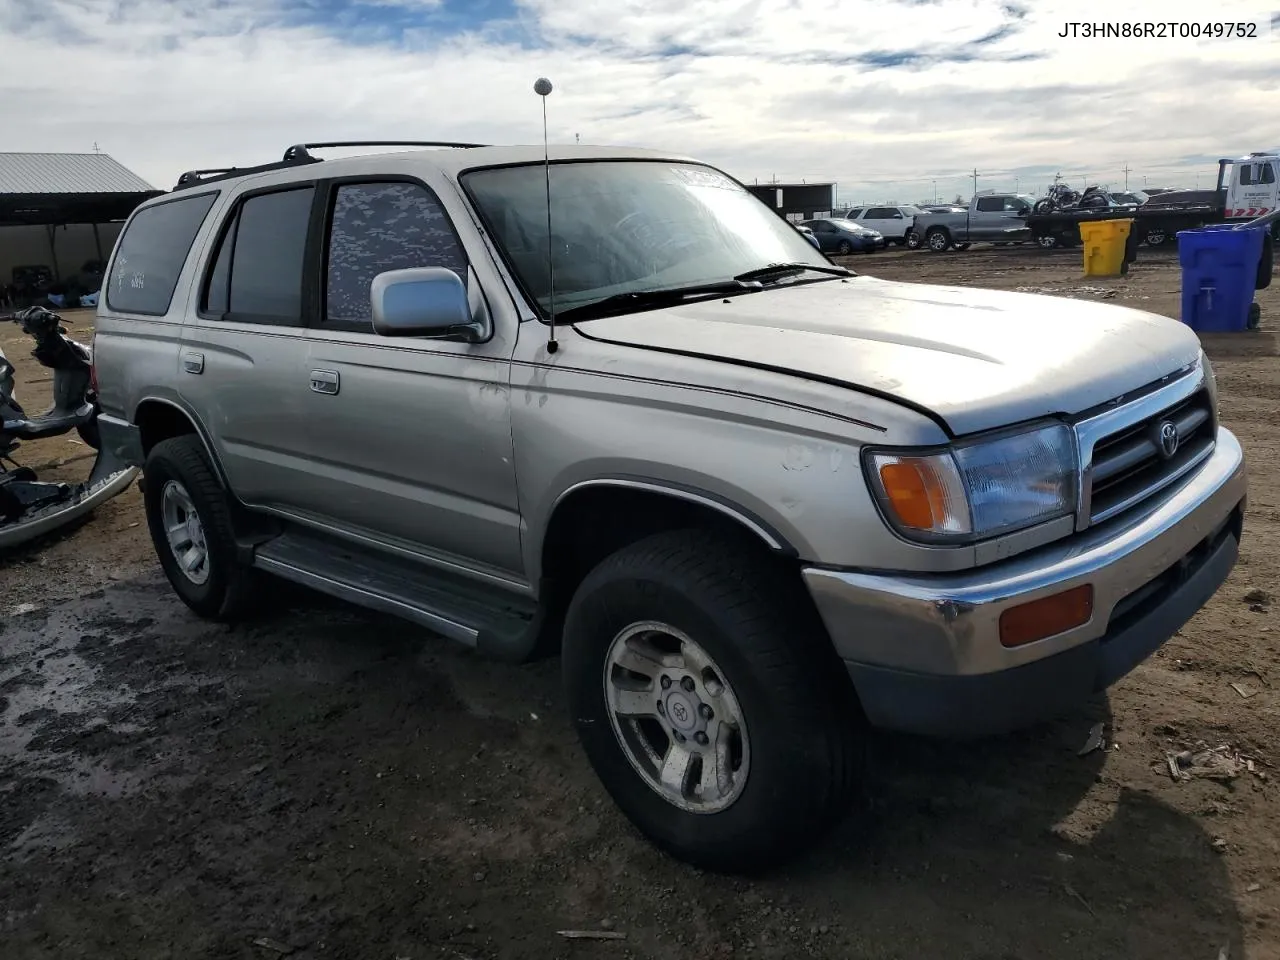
(1126,176)
(935,191)
(95,147)
(975,181)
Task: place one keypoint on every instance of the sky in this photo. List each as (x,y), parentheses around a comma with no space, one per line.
(894,100)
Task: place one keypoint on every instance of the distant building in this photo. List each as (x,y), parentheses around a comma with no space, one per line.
(797,201)
(61,211)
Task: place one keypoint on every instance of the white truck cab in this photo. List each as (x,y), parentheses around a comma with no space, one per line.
(1252,184)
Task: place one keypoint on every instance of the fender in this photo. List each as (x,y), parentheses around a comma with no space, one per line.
(200,431)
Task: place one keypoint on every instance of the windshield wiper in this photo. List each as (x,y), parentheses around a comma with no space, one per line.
(782,269)
(639,299)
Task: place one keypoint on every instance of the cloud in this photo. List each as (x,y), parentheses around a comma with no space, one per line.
(883,96)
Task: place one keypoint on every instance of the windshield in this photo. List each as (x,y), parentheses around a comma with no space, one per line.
(625,227)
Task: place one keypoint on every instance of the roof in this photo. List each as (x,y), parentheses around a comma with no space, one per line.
(451,161)
(67,173)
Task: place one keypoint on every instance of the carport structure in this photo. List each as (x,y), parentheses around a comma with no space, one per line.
(53,190)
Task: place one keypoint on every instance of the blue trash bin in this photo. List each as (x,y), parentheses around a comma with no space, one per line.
(1219,269)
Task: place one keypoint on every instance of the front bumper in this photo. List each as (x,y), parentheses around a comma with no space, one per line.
(924,652)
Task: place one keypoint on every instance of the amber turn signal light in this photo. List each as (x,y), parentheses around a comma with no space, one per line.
(1047,616)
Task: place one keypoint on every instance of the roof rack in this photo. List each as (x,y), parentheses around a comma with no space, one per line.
(194,178)
(299,154)
(301,151)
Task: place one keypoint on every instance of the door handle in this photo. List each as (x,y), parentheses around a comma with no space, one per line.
(193,362)
(325,381)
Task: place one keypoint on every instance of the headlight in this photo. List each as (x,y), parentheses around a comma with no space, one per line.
(977,489)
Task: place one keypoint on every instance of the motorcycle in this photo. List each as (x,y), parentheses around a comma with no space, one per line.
(1061,197)
(30,507)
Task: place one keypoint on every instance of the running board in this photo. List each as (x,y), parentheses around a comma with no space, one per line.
(495,622)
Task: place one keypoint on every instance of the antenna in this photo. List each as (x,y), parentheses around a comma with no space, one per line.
(542,87)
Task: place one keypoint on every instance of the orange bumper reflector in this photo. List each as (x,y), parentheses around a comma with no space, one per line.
(1047,616)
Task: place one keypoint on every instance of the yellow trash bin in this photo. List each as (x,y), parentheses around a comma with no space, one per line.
(1104,242)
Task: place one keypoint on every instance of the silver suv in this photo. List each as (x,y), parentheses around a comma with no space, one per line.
(759,504)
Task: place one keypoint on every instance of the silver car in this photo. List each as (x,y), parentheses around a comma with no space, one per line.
(758,504)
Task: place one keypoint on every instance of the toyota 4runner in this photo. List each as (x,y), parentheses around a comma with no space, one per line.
(615,408)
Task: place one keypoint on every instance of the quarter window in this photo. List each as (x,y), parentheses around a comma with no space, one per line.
(376,227)
(152,252)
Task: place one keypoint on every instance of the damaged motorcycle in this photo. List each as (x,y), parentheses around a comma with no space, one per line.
(29,507)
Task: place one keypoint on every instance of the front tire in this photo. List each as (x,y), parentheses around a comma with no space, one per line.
(844,248)
(190,522)
(755,749)
(938,239)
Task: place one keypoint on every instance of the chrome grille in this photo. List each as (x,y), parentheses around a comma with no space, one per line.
(1132,463)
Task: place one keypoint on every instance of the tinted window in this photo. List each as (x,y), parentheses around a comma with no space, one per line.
(257,272)
(881,213)
(1246,174)
(151,254)
(854,214)
(1268,173)
(378,227)
(990,204)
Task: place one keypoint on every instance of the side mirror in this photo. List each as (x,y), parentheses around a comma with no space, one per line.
(422,302)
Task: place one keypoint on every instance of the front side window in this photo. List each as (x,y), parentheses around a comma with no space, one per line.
(376,227)
(258,267)
(151,254)
(627,227)
(990,204)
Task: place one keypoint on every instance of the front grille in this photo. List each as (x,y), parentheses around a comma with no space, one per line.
(1129,465)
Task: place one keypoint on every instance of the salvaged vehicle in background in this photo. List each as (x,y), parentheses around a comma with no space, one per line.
(30,507)
(989,218)
(619,410)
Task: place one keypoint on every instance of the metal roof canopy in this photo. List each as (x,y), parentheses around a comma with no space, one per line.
(61,188)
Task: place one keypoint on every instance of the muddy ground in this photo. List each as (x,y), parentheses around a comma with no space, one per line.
(344,785)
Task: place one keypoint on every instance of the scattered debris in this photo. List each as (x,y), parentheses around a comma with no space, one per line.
(1097,740)
(591,934)
(1219,844)
(275,946)
(1258,596)
(1224,953)
(1223,764)
(1071,892)
(1253,888)
(1244,691)
(24,608)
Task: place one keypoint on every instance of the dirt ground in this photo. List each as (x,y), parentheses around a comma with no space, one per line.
(331,783)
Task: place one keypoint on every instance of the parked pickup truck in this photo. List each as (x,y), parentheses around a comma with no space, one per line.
(758,504)
(989,218)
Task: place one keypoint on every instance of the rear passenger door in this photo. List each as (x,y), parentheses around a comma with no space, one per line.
(413,441)
(244,352)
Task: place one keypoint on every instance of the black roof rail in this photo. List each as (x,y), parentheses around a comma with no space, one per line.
(199,177)
(300,152)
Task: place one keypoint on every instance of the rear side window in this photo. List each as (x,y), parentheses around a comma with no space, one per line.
(853,214)
(376,227)
(151,253)
(257,270)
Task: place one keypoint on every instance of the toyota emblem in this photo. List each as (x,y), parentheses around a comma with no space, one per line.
(1168,439)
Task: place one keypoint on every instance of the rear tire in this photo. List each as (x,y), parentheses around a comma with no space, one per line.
(844,248)
(801,742)
(913,241)
(189,516)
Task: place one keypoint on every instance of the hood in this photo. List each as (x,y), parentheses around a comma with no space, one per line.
(976,359)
